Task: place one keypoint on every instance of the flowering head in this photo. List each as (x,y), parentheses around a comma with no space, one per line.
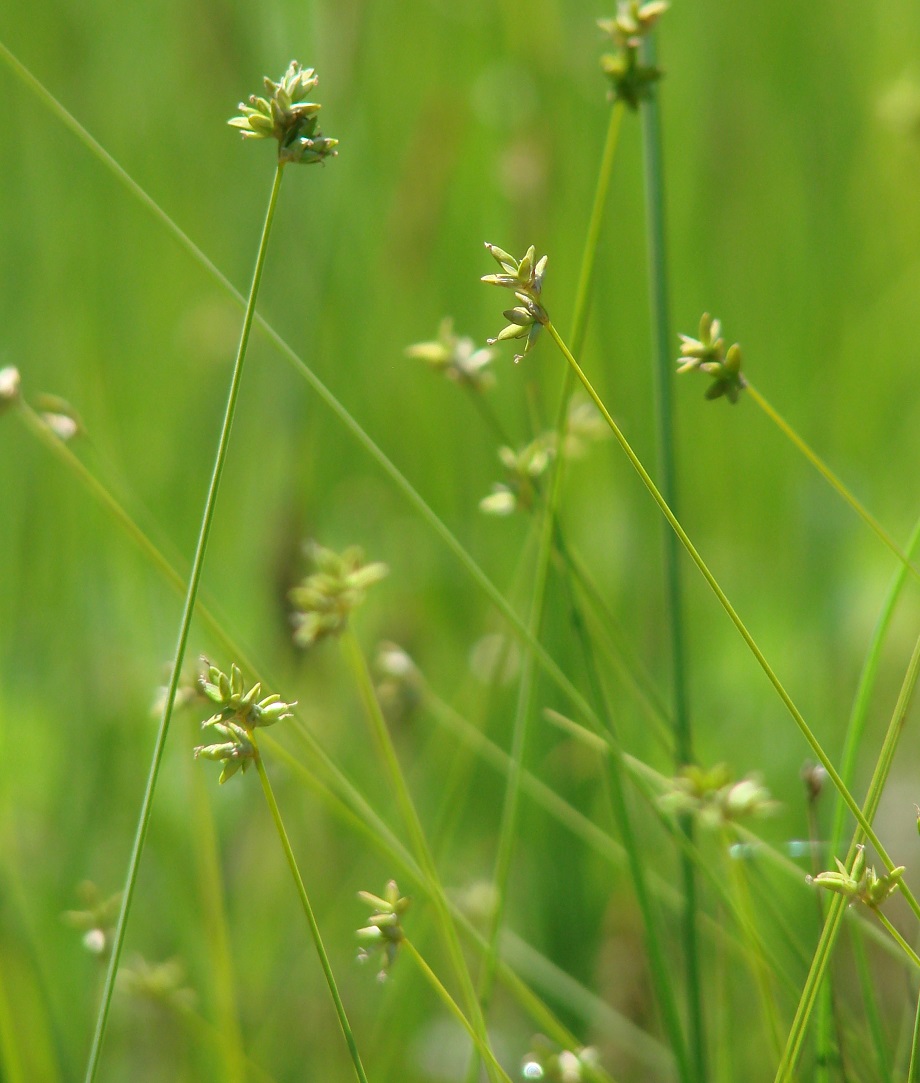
(631,79)
(323,601)
(456,358)
(384,927)
(239,713)
(708,354)
(525,278)
(288,116)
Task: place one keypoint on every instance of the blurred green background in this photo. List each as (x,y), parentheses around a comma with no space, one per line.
(792,156)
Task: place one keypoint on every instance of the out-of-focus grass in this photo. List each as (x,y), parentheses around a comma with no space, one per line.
(791,181)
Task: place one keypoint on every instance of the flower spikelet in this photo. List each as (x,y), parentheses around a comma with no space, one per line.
(456,358)
(708,354)
(524,277)
(384,927)
(323,601)
(631,80)
(239,713)
(288,116)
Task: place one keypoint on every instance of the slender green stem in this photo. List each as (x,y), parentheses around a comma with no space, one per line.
(381,734)
(870,1002)
(185,625)
(837,908)
(913,1072)
(831,478)
(311,921)
(592,240)
(898,939)
(797,717)
(215,933)
(863,698)
(454,1009)
(667,466)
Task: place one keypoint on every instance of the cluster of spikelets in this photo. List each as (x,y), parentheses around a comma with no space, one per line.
(631,78)
(288,116)
(239,713)
(525,278)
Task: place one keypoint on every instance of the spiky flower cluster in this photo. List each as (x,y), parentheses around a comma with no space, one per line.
(287,115)
(546,1061)
(456,358)
(238,715)
(708,354)
(859,884)
(324,600)
(714,798)
(384,927)
(631,80)
(525,278)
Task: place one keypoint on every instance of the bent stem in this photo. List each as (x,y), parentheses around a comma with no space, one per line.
(357,662)
(797,717)
(185,625)
(311,921)
(831,478)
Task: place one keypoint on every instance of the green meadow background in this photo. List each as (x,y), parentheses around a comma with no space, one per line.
(792,164)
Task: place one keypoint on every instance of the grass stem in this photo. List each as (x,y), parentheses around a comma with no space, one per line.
(455,1010)
(179,655)
(831,478)
(311,921)
(667,465)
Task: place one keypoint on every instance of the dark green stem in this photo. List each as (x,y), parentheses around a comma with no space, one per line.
(665,431)
(311,921)
(185,625)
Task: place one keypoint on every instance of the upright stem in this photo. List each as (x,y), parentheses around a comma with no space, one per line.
(311,921)
(683,736)
(179,655)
